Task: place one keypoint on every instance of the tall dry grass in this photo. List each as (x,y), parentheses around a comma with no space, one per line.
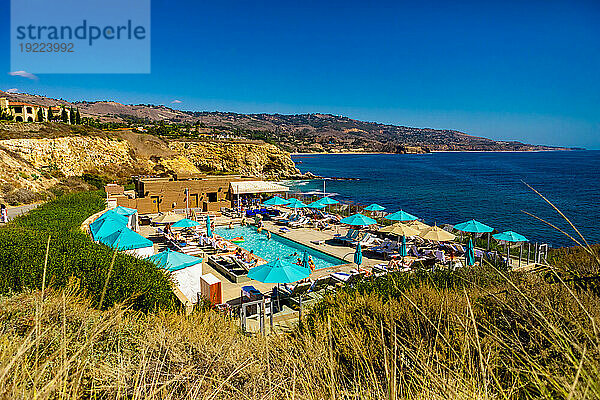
(527,338)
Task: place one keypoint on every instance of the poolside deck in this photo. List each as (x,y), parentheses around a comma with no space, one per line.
(232,291)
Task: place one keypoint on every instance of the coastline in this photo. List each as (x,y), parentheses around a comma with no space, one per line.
(433,151)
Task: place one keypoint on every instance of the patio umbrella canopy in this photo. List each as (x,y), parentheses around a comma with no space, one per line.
(305,257)
(185,223)
(328,201)
(358,257)
(402,216)
(105,226)
(403,230)
(358,220)
(276,201)
(168,218)
(403,248)
(173,260)
(470,254)
(112,214)
(295,203)
(473,226)
(208,229)
(316,204)
(124,211)
(126,239)
(374,207)
(510,236)
(437,234)
(278,272)
(418,225)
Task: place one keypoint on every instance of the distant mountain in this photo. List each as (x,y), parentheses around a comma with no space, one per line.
(295,133)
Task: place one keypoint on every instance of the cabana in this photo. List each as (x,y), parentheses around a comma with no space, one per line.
(107,224)
(186,271)
(129,242)
(130,213)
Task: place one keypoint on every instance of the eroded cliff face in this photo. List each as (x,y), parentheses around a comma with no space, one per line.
(39,163)
(262,160)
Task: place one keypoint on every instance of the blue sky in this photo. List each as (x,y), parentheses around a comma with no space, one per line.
(504,70)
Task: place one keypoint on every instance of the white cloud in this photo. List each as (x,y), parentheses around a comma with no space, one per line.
(24,74)
(13,90)
(176,102)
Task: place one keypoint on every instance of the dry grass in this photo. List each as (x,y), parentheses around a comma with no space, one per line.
(528,339)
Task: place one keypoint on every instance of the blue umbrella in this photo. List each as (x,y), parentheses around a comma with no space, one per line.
(126,211)
(208,230)
(276,201)
(403,247)
(278,272)
(185,223)
(401,216)
(126,239)
(510,236)
(173,260)
(106,225)
(470,255)
(473,226)
(316,204)
(328,201)
(358,257)
(295,203)
(374,207)
(305,260)
(358,220)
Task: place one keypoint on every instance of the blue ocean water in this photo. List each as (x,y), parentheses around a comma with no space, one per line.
(454,187)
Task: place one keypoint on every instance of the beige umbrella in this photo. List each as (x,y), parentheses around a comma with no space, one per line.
(418,225)
(389,228)
(168,218)
(404,230)
(437,234)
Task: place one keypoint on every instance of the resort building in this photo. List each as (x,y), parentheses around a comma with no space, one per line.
(198,192)
(28,112)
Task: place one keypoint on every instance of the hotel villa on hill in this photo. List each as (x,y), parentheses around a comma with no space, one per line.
(27,112)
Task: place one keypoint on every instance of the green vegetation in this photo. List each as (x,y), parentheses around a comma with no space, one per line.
(73,254)
(475,333)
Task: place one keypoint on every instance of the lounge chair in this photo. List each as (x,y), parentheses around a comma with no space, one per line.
(347,278)
(251,292)
(295,290)
(320,284)
(366,241)
(300,223)
(350,237)
(440,256)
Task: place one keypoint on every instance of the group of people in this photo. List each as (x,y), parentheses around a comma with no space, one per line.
(3,214)
(311,263)
(247,257)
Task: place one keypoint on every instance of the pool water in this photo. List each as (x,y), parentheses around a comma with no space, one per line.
(276,247)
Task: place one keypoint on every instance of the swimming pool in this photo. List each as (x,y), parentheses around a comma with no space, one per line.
(276,247)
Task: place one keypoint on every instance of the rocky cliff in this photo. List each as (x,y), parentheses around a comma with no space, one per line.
(39,161)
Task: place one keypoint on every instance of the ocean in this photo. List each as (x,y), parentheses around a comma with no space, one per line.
(455,187)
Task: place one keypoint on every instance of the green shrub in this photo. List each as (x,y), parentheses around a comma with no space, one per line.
(74,254)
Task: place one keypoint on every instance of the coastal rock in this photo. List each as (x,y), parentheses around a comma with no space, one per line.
(261,160)
(37,157)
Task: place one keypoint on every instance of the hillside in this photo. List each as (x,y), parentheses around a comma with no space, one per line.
(39,157)
(294,133)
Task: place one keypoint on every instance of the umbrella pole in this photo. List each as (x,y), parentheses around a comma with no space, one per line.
(520,254)
(488,245)
(278,302)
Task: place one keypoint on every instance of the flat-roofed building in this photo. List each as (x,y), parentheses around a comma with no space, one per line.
(190,191)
